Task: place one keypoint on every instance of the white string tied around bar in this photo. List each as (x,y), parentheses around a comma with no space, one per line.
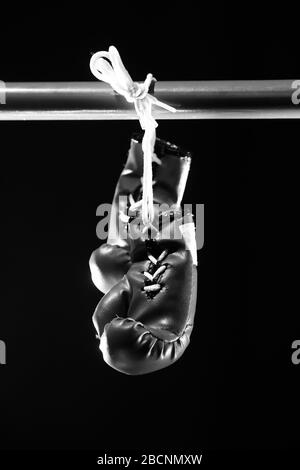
(116,75)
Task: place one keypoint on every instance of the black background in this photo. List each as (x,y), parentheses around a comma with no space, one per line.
(235,387)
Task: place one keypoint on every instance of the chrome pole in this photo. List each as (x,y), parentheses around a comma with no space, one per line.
(227,99)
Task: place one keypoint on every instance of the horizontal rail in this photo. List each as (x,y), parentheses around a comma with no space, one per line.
(242,99)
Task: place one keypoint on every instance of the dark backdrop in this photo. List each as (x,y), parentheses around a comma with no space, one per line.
(235,387)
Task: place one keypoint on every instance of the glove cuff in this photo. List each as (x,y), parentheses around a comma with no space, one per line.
(171,168)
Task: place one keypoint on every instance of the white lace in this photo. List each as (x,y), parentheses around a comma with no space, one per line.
(155,286)
(118,77)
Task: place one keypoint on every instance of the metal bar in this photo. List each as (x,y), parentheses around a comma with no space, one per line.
(246,99)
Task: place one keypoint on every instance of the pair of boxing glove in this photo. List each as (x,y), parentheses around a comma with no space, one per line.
(149,277)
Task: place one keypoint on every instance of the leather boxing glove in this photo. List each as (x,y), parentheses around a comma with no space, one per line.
(171,165)
(145,320)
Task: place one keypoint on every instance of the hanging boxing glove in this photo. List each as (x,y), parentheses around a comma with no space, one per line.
(170,166)
(144,322)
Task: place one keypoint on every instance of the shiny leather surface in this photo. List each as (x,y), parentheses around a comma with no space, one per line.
(141,335)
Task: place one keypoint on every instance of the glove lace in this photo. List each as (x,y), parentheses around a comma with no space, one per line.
(151,286)
(137,93)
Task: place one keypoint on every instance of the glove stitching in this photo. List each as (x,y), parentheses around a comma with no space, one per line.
(178,337)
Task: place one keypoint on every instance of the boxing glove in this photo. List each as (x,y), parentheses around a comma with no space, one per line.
(145,321)
(170,168)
